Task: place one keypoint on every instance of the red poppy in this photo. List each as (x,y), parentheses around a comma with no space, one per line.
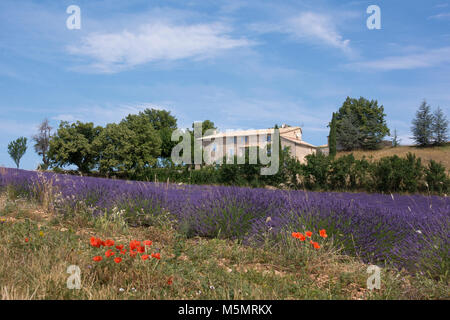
(118,260)
(308,234)
(156,255)
(120,247)
(109,253)
(133,254)
(316,245)
(296,234)
(97,258)
(122,252)
(109,243)
(26,240)
(169,281)
(323,233)
(134,244)
(144,257)
(302,237)
(148,242)
(141,249)
(96,242)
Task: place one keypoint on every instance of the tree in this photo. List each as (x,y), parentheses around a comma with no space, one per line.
(367,118)
(348,134)
(17,149)
(129,146)
(395,140)
(439,127)
(164,123)
(206,125)
(422,126)
(42,143)
(332,137)
(73,145)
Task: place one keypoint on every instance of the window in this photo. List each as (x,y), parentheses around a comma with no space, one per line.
(269,137)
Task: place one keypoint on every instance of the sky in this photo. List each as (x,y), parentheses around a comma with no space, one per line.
(242,64)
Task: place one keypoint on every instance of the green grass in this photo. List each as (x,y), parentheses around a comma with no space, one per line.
(200,268)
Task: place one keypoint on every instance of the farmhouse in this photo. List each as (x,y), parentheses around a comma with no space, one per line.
(235,142)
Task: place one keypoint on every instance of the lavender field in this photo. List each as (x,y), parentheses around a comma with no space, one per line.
(410,232)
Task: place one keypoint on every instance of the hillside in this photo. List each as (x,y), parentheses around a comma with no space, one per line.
(439,154)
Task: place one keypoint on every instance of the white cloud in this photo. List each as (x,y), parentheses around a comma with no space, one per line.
(318,27)
(160,41)
(440,16)
(430,58)
(310,27)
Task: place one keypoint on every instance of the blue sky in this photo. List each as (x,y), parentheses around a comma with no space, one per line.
(242,64)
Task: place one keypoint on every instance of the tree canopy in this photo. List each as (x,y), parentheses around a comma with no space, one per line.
(363,118)
(17,149)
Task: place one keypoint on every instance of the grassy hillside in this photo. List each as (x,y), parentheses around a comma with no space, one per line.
(36,248)
(439,154)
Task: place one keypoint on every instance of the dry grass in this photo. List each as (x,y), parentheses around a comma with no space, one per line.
(439,154)
(200,268)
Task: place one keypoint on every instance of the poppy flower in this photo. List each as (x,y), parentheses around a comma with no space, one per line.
(133,254)
(169,281)
(141,249)
(308,234)
(134,244)
(122,252)
(120,247)
(96,242)
(109,253)
(118,260)
(109,243)
(296,235)
(156,255)
(144,257)
(148,242)
(97,258)
(323,233)
(316,245)
(302,237)
(26,239)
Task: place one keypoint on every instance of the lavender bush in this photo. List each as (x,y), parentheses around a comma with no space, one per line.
(410,232)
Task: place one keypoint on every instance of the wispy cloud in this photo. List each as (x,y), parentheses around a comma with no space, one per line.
(113,52)
(445,15)
(430,58)
(311,27)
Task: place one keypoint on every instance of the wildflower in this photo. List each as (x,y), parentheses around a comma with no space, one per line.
(316,245)
(118,260)
(119,247)
(156,255)
(122,252)
(109,253)
(133,289)
(26,239)
(144,257)
(323,233)
(41,233)
(134,244)
(212,287)
(96,242)
(141,249)
(133,254)
(302,237)
(109,243)
(296,235)
(419,232)
(169,281)
(148,242)
(308,234)
(97,258)
(121,289)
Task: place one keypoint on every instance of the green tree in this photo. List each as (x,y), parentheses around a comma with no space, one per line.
(439,127)
(42,143)
(164,123)
(368,120)
(348,135)
(332,136)
(130,146)
(422,126)
(73,145)
(17,149)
